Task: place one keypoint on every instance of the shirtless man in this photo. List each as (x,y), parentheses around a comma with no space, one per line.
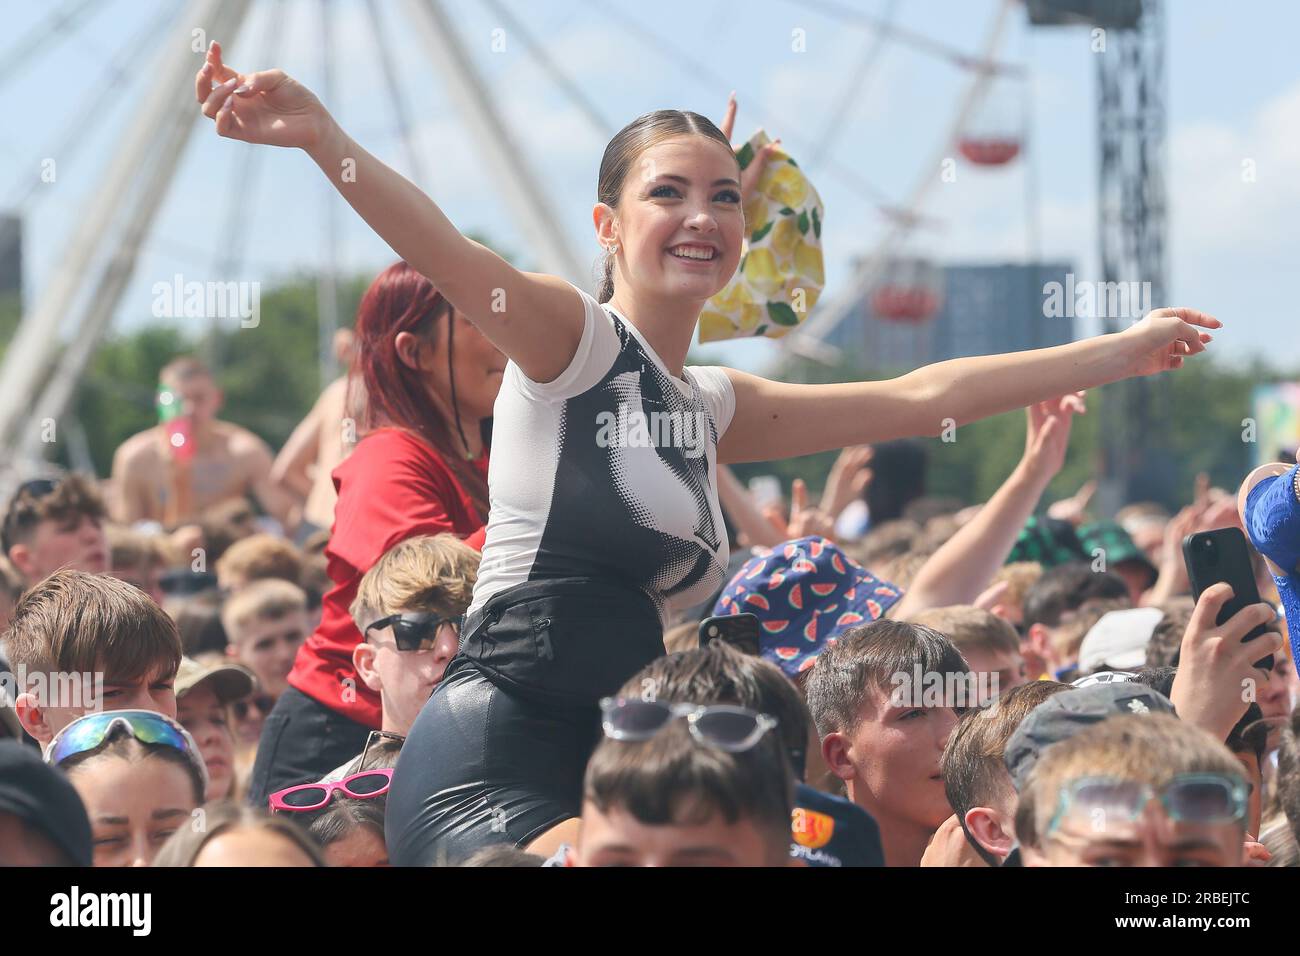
(305,465)
(155,484)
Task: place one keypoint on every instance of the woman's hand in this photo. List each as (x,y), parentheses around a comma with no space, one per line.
(751,174)
(1163,339)
(269,107)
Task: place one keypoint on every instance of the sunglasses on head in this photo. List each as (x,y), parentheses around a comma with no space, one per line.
(37,488)
(381,740)
(33,490)
(1189,798)
(364,785)
(414,630)
(733,729)
(88,732)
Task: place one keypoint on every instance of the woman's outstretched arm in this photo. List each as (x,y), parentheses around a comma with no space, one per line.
(779,420)
(536,320)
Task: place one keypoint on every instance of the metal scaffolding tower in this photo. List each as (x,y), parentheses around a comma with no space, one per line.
(1129,44)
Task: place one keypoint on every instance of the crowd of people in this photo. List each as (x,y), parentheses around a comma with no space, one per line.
(460,620)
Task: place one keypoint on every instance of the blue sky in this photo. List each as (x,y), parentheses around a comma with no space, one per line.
(1233,94)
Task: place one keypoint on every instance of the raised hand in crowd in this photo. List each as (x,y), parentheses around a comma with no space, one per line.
(1074,509)
(803,519)
(1217,678)
(965,564)
(1211,508)
(847,479)
(274,108)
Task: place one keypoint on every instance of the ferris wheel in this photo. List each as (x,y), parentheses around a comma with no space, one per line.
(986,129)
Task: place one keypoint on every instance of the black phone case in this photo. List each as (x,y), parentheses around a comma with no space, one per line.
(741,631)
(1234,567)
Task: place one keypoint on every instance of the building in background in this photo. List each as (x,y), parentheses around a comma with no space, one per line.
(957,310)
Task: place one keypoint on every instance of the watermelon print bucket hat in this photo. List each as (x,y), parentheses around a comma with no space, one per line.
(805,593)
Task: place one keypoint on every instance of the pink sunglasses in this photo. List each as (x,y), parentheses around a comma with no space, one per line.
(313,796)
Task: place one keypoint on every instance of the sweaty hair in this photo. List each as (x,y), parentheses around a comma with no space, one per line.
(74,622)
(122,744)
(627,146)
(74,497)
(974,773)
(868,656)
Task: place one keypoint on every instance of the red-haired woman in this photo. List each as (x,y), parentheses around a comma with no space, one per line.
(426,381)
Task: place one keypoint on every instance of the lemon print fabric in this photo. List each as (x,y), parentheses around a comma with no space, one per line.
(781,272)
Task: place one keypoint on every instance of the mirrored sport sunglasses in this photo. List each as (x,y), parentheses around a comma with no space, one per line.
(88,732)
(414,630)
(733,729)
(1188,798)
(364,785)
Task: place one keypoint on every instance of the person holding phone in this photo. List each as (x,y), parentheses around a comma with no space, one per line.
(1269,505)
(595,533)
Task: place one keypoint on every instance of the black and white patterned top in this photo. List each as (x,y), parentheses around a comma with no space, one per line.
(609,471)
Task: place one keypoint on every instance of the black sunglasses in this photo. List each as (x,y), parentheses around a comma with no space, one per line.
(262,703)
(414,630)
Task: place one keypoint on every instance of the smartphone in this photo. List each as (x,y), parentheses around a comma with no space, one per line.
(741,631)
(1222,555)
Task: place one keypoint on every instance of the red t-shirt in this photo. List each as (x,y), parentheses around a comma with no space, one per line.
(393,486)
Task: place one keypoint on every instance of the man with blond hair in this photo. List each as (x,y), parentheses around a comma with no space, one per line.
(255,558)
(408,609)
